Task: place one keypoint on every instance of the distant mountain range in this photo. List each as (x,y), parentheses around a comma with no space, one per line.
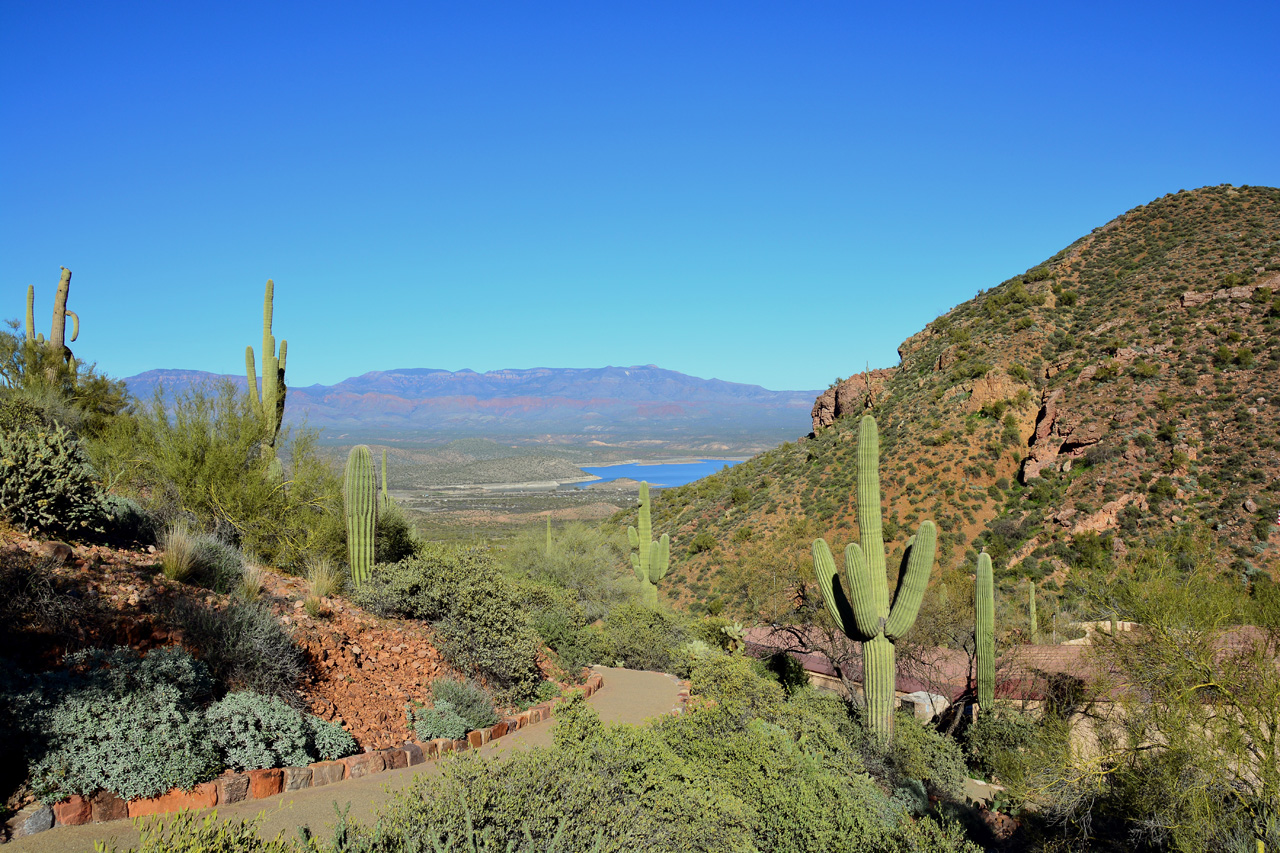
(596,402)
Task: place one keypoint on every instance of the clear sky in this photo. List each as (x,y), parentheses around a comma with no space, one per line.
(773,193)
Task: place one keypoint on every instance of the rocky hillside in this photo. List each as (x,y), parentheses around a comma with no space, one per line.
(1124,387)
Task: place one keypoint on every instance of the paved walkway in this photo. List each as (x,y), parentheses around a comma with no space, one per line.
(626,697)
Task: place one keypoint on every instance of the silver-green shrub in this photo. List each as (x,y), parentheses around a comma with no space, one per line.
(123,723)
(440,720)
(46,484)
(254,731)
(469,699)
(329,741)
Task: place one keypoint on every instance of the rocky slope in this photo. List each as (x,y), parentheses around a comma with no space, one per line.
(1121,389)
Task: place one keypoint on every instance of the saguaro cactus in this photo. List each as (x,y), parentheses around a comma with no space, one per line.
(867,614)
(984,601)
(271,400)
(652,558)
(359,497)
(57,334)
(1031,612)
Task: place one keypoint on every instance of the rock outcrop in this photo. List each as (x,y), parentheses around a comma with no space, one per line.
(1058,437)
(853,395)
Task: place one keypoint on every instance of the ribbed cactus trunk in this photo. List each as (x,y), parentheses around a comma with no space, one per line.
(984,603)
(271,401)
(868,614)
(58,332)
(386,496)
(651,558)
(1031,612)
(31,313)
(359,496)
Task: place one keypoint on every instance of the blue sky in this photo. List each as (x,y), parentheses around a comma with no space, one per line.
(758,192)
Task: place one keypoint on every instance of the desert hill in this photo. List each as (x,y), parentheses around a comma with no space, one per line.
(1125,387)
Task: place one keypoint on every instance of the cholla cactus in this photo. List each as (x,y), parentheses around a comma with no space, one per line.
(867,614)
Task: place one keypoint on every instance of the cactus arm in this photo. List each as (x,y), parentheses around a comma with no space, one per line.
(635,566)
(251,370)
(284,352)
(869,616)
(31,315)
(833,593)
(984,631)
(75,326)
(661,559)
(913,577)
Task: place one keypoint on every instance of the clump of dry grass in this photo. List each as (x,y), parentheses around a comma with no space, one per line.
(324,576)
(180,548)
(252,581)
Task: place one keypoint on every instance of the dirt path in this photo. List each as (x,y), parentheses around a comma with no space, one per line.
(626,697)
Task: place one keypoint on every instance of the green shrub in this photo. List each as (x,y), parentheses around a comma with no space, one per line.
(921,753)
(990,740)
(328,741)
(244,646)
(190,832)
(479,621)
(736,682)
(47,486)
(440,720)
(394,538)
(642,638)
(253,732)
(701,542)
(469,700)
(123,723)
(201,454)
(583,560)
(128,522)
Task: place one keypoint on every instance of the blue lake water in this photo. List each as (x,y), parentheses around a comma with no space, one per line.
(663,475)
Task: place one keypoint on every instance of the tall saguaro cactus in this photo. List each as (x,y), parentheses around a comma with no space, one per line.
(984,601)
(651,558)
(867,614)
(58,332)
(271,400)
(359,498)
(1031,612)
(386,496)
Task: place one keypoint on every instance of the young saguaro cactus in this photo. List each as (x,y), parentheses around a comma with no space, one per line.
(386,496)
(984,601)
(867,614)
(651,558)
(271,400)
(359,498)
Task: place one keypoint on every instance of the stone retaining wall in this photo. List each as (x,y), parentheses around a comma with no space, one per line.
(261,784)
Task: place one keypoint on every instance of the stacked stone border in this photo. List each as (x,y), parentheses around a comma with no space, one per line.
(260,784)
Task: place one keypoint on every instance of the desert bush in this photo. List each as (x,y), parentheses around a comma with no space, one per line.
(585,560)
(394,538)
(252,732)
(642,638)
(123,723)
(244,646)
(470,701)
(328,741)
(252,581)
(990,740)
(190,832)
(201,453)
(128,522)
(737,682)
(47,486)
(441,720)
(479,622)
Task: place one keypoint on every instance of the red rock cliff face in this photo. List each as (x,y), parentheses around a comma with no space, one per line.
(855,394)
